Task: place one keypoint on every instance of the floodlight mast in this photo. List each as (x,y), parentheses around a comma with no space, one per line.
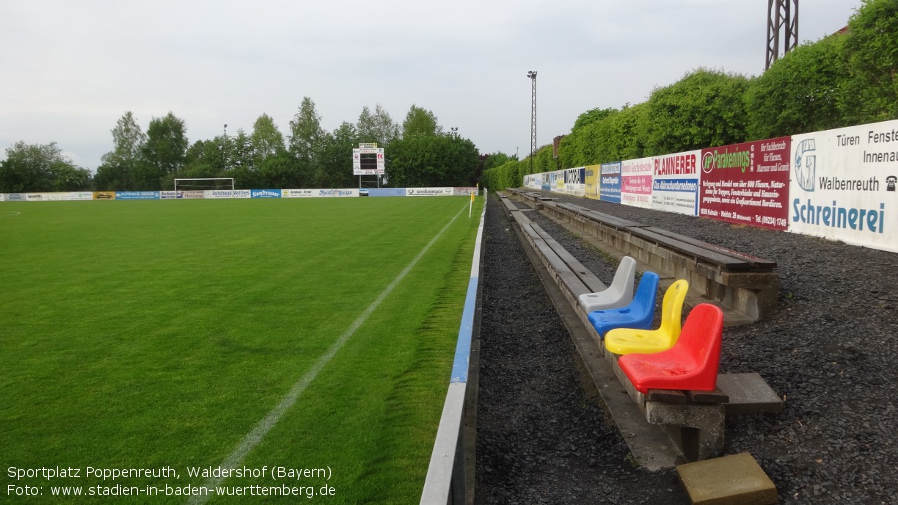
(532,75)
(782,21)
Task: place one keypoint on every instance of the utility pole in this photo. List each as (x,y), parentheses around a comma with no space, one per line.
(532,75)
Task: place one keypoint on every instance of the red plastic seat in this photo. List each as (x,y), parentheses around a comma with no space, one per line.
(691,364)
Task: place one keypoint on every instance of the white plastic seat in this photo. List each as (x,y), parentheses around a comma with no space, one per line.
(618,294)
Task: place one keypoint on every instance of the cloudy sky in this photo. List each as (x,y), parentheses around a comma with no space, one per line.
(71,69)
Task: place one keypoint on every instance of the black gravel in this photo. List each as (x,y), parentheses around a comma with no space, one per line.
(830,350)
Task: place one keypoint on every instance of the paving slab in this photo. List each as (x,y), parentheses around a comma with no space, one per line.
(729,480)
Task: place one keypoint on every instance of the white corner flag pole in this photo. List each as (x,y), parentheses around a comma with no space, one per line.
(471,205)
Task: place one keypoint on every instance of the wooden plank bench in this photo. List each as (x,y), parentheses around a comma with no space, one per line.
(711,253)
(693,420)
(574,278)
(746,286)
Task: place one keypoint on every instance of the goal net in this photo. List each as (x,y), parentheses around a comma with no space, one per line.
(202,184)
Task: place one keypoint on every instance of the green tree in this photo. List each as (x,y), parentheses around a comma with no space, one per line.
(305,144)
(872,58)
(164,152)
(800,92)
(591,116)
(266,139)
(377,127)
(440,160)
(206,158)
(118,167)
(419,121)
(306,131)
(39,168)
(334,169)
(705,108)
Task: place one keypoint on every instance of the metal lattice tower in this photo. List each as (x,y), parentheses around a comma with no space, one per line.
(532,75)
(782,21)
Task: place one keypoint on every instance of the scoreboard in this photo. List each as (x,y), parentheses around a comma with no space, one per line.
(368,159)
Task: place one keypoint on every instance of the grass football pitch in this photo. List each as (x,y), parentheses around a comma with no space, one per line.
(252,348)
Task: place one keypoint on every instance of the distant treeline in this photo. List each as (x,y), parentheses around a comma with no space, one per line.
(418,153)
(847,78)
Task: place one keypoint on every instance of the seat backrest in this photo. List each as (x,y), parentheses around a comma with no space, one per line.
(646,293)
(701,337)
(672,308)
(624,277)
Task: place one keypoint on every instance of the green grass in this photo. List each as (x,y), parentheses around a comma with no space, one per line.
(157,334)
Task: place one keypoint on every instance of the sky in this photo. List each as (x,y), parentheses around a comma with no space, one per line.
(70,70)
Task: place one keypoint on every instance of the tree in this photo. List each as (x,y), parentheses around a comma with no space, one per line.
(266,139)
(872,59)
(440,160)
(305,142)
(591,116)
(377,127)
(306,131)
(800,92)
(164,152)
(334,169)
(419,121)
(37,168)
(206,158)
(705,108)
(116,172)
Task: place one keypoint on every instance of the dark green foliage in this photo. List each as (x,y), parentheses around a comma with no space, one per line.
(705,108)
(432,160)
(871,52)
(35,168)
(801,92)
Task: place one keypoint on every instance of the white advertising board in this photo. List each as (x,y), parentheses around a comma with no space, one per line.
(676,182)
(429,191)
(843,185)
(320,193)
(636,183)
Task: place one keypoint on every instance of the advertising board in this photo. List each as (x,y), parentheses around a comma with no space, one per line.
(843,185)
(591,181)
(675,182)
(610,182)
(573,181)
(747,183)
(636,183)
(428,191)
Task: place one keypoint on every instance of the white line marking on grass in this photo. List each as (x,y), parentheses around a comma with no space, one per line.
(254,437)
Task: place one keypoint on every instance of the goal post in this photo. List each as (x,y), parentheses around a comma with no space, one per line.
(204,183)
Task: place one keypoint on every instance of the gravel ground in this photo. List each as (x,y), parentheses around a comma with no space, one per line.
(830,350)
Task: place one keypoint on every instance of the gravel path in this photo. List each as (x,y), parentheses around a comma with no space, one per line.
(830,350)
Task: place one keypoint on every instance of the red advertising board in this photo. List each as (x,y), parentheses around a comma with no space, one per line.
(747,183)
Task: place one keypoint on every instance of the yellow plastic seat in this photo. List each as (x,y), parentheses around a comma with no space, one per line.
(631,340)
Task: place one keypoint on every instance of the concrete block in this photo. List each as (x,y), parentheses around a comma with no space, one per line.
(749,394)
(730,480)
(697,429)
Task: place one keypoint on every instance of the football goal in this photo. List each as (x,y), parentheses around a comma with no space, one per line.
(201,184)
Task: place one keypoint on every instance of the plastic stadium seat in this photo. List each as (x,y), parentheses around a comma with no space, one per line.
(638,314)
(618,294)
(630,340)
(691,364)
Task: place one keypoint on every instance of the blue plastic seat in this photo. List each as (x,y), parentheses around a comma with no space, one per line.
(618,294)
(639,313)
